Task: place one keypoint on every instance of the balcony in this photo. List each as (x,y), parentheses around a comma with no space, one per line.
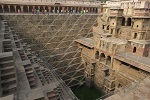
(141,12)
(116,12)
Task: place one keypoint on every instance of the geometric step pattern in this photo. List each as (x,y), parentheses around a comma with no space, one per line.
(53,37)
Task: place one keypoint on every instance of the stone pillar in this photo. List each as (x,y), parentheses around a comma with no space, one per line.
(49,9)
(126,21)
(21,8)
(8,8)
(78,9)
(67,9)
(44,7)
(54,8)
(63,8)
(28,8)
(15,8)
(82,8)
(95,10)
(89,9)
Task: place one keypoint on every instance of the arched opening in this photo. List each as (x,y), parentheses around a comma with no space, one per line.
(129,22)
(36,8)
(46,8)
(52,10)
(108,27)
(80,9)
(30,8)
(123,21)
(111,32)
(60,9)
(103,26)
(12,8)
(142,36)
(90,10)
(134,50)
(56,9)
(18,8)
(69,9)
(96,10)
(102,57)
(1,9)
(97,55)
(6,9)
(76,9)
(25,8)
(72,10)
(41,9)
(65,9)
(135,35)
(119,86)
(108,60)
(93,10)
(83,8)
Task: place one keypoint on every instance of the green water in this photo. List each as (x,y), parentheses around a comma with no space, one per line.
(85,93)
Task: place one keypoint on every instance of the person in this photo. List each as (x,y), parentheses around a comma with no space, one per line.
(32,11)
(18,11)
(38,11)
(45,11)
(87,11)
(84,11)
(75,11)
(61,11)
(81,12)
(65,11)
(53,11)
(57,11)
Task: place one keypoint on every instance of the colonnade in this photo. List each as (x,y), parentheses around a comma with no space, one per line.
(28,8)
